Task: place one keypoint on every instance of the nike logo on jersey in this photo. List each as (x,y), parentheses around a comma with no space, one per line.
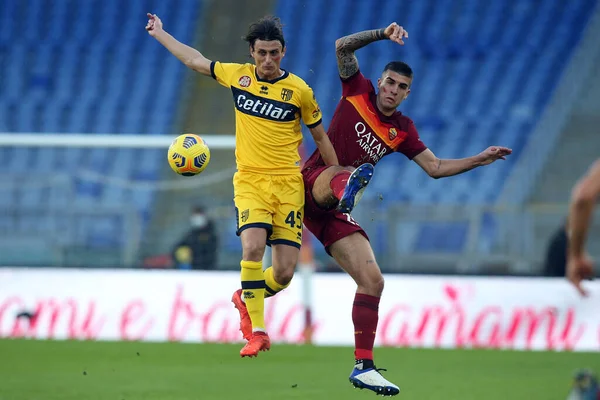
(261,107)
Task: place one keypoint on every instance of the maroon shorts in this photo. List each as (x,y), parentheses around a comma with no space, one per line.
(328,225)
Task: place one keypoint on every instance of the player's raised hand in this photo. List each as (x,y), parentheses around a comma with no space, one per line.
(579,269)
(494,153)
(395,33)
(154,24)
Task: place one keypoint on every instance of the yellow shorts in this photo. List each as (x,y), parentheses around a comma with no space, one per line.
(273,202)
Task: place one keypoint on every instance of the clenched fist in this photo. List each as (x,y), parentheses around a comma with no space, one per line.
(154,24)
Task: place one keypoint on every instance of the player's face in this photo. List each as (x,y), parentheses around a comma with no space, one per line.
(267,56)
(393,89)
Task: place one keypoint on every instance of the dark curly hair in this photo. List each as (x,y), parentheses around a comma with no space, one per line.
(267,28)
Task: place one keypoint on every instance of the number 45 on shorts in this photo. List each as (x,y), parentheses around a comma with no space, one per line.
(294,219)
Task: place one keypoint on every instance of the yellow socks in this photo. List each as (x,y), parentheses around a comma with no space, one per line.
(256,286)
(253,293)
(271,286)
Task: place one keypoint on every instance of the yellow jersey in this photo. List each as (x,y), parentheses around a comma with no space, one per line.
(267,117)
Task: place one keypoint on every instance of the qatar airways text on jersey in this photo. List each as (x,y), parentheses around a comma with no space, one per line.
(369,142)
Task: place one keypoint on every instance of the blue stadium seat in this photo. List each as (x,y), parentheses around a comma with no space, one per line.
(97,81)
(67,62)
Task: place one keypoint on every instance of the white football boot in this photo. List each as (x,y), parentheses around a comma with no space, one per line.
(366,377)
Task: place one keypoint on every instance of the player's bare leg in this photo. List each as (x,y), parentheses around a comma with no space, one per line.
(253,291)
(285,258)
(343,186)
(355,255)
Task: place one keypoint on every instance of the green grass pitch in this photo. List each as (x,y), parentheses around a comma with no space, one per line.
(73,370)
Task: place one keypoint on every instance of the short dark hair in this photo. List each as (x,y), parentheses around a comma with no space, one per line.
(399,67)
(267,28)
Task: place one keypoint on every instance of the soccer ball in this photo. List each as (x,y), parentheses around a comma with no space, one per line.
(188,155)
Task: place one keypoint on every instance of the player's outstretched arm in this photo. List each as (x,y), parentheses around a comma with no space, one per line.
(583,200)
(347,45)
(441,168)
(324,145)
(191,57)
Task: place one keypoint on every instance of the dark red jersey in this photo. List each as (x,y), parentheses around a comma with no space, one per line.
(360,133)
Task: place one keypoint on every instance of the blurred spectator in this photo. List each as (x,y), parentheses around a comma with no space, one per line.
(585,386)
(198,248)
(556,253)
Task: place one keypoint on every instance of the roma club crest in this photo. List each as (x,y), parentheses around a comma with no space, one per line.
(392,133)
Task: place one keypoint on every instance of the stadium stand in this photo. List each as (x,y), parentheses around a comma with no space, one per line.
(483,74)
(87,67)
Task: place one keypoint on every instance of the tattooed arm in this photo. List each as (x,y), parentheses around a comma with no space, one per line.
(347,45)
